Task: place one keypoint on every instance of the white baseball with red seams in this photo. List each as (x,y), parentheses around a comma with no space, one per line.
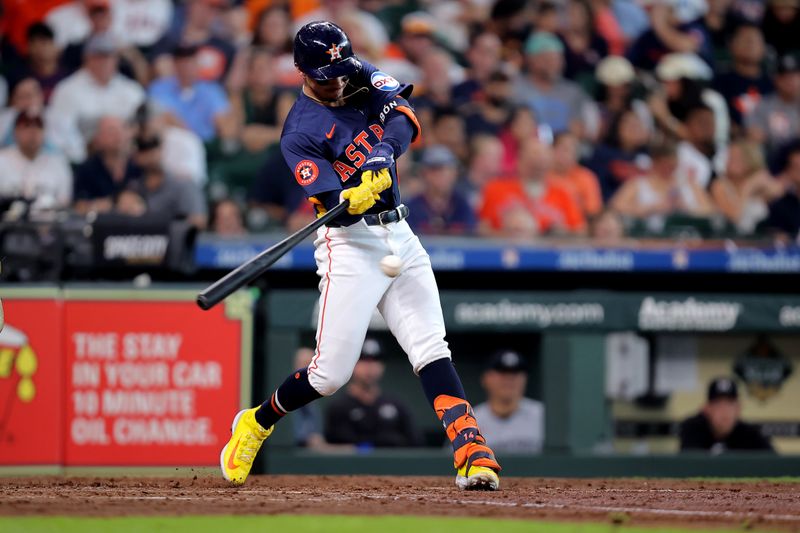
(391,265)
(352,285)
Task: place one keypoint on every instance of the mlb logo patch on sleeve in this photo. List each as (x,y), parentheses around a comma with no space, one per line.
(306,172)
(383,82)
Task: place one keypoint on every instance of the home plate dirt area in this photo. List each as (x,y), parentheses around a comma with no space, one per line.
(701,504)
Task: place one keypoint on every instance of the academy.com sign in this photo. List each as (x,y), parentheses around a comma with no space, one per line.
(506,312)
(688,315)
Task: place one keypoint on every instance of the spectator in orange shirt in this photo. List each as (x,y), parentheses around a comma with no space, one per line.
(530,205)
(577,179)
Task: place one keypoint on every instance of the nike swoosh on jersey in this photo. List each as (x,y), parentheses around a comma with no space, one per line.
(330,133)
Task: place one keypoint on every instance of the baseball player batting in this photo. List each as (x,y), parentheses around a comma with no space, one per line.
(341,139)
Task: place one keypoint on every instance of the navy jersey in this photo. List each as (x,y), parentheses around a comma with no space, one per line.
(326,146)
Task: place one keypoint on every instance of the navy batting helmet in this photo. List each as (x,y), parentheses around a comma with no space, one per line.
(322,51)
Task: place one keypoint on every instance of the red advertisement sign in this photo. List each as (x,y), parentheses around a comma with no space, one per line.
(31,385)
(149,383)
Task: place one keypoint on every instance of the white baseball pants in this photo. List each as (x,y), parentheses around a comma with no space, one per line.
(352,285)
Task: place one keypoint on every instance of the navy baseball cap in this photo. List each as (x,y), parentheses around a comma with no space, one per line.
(722,387)
(371,350)
(507,361)
(438,156)
(788,64)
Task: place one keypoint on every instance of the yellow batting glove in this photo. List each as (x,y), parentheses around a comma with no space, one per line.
(361,198)
(380,179)
(318,207)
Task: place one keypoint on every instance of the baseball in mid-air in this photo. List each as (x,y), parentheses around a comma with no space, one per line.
(391,265)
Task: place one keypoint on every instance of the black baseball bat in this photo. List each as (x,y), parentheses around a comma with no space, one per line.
(252,269)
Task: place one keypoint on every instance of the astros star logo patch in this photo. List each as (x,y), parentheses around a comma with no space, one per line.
(335,51)
(306,172)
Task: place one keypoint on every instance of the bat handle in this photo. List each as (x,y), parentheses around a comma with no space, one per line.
(255,267)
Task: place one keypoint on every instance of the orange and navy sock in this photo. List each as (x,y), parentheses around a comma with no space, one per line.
(446,394)
(293,393)
(469,446)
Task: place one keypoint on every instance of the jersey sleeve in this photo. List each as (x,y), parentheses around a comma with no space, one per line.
(312,171)
(388,96)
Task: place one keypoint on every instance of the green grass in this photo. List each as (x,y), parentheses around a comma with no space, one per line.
(781,479)
(312,524)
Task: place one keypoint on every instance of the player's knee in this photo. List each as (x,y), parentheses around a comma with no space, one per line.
(326,385)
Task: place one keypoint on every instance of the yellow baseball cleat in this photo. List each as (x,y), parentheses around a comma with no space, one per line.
(247,436)
(478,478)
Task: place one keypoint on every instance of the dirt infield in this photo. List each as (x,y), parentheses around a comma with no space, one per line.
(693,503)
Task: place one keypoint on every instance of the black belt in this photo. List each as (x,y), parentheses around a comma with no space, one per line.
(387,217)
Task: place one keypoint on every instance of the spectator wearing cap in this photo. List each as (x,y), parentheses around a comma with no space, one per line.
(97,89)
(28,171)
(530,205)
(784,213)
(109,169)
(653,197)
(781,26)
(484,58)
(201,28)
(510,422)
(568,174)
(98,13)
(364,415)
(42,60)
(615,93)
(745,83)
(776,119)
(718,428)
(441,208)
(101,20)
(622,155)
(171,198)
(560,104)
(684,79)
(202,106)
(675,27)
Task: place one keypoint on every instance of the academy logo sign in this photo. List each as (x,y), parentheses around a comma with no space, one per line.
(688,315)
(383,82)
(505,312)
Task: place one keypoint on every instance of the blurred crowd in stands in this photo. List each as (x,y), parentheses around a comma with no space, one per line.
(602,118)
